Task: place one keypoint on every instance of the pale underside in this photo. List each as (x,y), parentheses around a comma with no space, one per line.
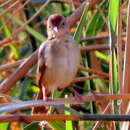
(61,61)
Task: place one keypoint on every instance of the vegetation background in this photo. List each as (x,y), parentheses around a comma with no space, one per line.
(102,30)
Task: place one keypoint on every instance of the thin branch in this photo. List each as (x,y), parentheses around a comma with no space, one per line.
(97,38)
(94,97)
(58,102)
(29,75)
(41,117)
(14,34)
(10,8)
(5,3)
(106,110)
(94,47)
(8,20)
(76,15)
(61,117)
(18,73)
(93,71)
(82,79)
(11,65)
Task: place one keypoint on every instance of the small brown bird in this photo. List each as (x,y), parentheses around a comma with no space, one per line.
(58,58)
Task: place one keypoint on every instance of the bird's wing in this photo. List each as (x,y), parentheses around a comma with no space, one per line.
(40,73)
(41,64)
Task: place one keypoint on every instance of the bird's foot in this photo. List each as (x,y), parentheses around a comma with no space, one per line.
(47,99)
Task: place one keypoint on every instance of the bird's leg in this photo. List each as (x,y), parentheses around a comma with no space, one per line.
(44,93)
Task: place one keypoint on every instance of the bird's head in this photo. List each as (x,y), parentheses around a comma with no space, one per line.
(57,26)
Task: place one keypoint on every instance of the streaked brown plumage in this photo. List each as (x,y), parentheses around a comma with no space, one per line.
(58,58)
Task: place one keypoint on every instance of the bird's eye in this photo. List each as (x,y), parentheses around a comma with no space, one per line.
(63,23)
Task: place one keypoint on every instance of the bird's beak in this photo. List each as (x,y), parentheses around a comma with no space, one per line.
(55,29)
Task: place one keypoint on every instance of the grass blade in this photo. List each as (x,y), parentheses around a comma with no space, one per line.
(69,125)
(113,15)
(77,35)
(27,27)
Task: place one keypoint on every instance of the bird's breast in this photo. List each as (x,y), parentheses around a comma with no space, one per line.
(62,64)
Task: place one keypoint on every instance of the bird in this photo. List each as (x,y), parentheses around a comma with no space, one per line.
(58,59)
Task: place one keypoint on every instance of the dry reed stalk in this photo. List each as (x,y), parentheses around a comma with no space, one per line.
(126,73)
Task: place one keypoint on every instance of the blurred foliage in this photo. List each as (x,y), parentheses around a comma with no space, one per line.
(26,38)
